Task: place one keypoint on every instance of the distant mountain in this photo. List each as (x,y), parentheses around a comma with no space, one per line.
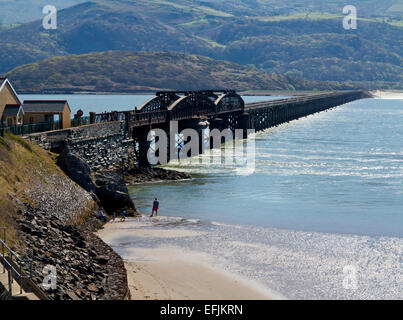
(301,44)
(22,11)
(123,71)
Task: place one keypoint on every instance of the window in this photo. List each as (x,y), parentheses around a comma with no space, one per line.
(48,117)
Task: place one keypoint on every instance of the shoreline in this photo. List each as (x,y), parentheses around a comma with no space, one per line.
(171,273)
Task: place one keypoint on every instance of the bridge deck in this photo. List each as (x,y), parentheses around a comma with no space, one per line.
(157,117)
(294,100)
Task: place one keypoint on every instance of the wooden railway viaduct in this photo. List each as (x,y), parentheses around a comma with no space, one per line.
(217,110)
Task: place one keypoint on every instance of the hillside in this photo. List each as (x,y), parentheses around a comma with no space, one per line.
(288,40)
(32,10)
(123,71)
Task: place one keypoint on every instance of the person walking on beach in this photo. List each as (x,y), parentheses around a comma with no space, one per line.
(123,216)
(102,216)
(114,216)
(156,205)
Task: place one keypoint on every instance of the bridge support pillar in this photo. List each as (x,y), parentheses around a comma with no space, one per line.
(244,124)
(201,129)
(198,124)
(216,123)
(144,146)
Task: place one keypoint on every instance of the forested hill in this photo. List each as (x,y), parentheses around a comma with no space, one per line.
(123,71)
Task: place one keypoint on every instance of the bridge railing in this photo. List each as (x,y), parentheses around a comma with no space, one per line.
(109,116)
(159,116)
(139,118)
(302,99)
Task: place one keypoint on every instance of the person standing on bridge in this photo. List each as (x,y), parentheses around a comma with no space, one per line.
(156,205)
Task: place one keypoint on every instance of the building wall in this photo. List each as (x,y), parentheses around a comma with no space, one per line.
(10,121)
(35,117)
(6,97)
(66,118)
(40,117)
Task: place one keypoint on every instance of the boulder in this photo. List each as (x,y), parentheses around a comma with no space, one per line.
(113,194)
(78,170)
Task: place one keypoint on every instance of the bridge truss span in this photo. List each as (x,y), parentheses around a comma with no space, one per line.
(218,110)
(225,108)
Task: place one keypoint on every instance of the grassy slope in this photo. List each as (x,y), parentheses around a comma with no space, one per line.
(123,71)
(24,165)
(19,165)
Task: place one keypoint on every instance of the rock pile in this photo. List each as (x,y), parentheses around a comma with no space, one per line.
(86,268)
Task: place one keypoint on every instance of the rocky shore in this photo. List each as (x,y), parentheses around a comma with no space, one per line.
(140,175)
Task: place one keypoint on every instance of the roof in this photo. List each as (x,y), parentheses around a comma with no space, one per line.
(52,106)
(3,82)
(12,110)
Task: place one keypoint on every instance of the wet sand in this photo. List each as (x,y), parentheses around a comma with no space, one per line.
(169,272)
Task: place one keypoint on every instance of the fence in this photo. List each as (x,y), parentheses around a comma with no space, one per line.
(25,129)
(31,128)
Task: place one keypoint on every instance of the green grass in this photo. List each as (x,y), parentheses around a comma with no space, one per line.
(297,16)
(20,141)
(201,9)
(312,16)
(4,144)
(211,42)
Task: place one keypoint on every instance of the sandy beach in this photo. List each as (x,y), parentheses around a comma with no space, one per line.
(388,94)
(168,272)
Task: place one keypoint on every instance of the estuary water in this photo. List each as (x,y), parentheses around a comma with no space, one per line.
(320,217)
(339,171)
